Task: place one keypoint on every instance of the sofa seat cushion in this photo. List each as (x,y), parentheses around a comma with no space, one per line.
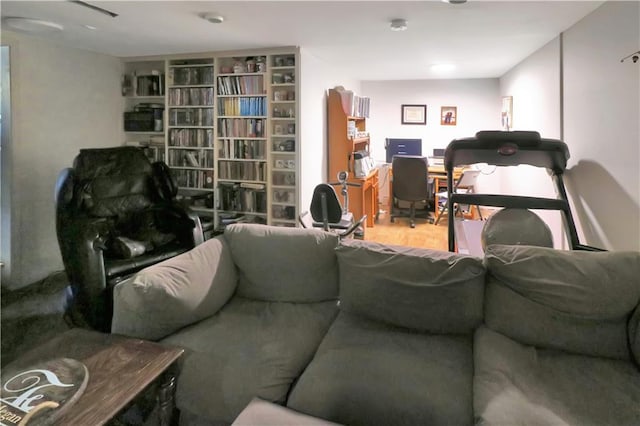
(248,349)
(279,264)
(575,301)
(367,372)
(421,289)
(519,384)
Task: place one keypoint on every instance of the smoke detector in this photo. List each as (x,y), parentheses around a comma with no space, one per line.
(214,18)
(398,24)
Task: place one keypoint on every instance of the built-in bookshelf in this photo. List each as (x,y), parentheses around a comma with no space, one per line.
(242,157)
(284,140)
(143,88)
(190,132)
(230,133)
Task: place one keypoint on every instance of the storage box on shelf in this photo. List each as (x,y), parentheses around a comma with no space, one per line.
(190,139)
(241,142)
(284,146)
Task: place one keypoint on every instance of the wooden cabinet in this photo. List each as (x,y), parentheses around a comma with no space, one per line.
(347,134)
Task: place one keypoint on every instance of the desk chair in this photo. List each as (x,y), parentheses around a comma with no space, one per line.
(464,185)
(327,213)
(411,184)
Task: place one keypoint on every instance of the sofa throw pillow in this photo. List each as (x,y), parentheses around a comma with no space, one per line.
(578,301)
(169,295)
(278,264)
(420,289)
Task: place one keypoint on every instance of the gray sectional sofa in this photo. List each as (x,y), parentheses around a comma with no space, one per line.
(360,333)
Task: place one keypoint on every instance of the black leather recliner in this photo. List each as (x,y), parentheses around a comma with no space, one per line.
(116,213)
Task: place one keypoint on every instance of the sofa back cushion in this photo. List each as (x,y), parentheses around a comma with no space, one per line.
(577,301)
(278,264)
(420,289)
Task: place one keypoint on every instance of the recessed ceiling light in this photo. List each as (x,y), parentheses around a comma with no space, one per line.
(90,27)
(32,25)
(398,24)
(455,1)
(214,18)
(439,68)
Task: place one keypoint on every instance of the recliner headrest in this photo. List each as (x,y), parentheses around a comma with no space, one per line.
(113,181)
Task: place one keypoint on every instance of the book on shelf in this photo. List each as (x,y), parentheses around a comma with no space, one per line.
(352,104)
(192,159)
(252,185)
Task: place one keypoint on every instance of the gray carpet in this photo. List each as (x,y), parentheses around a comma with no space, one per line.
(32,315)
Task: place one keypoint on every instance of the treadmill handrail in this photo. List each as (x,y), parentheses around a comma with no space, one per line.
(511,201)
(508,149)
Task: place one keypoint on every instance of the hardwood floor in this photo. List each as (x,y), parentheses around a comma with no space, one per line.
(424,235)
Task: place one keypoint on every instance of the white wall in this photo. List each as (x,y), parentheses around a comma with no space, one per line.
(62,100)
(477,101)
(317,77)
(601,99)
(602,113)
(535,87)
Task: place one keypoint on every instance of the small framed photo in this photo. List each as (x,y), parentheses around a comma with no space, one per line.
(448,115)
(414,114)
(507,113)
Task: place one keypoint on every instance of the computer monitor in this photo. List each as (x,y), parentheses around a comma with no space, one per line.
(396,146)
(438,152)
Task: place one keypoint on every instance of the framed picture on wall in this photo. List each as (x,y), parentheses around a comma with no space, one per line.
(414,114)
(507,113)
(448,115)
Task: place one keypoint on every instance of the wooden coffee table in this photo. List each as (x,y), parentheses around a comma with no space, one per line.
(119,367)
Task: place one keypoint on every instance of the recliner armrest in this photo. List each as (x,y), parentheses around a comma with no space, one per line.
(183,216)
(83,239)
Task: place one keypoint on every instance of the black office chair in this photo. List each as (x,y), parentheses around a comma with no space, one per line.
(116,213)
(411,184)
(327,213)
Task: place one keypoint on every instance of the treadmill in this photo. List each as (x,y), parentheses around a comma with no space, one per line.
(502,148)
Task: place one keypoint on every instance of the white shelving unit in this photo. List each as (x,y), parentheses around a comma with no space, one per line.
(191,133)
(143,84)
(284,159)
(229,133)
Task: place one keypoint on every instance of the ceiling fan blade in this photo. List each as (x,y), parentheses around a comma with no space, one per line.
(96,8)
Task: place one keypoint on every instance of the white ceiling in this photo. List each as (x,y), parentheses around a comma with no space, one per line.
(483,39)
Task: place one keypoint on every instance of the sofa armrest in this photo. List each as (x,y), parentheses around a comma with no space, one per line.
(161,299)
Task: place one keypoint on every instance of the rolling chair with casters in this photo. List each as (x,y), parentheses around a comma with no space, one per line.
(327,213)
(411,184)
(464,185)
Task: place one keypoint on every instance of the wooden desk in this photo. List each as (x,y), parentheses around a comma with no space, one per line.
(438,174)
(363,199)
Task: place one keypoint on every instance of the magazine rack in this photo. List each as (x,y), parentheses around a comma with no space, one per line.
(511,149)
